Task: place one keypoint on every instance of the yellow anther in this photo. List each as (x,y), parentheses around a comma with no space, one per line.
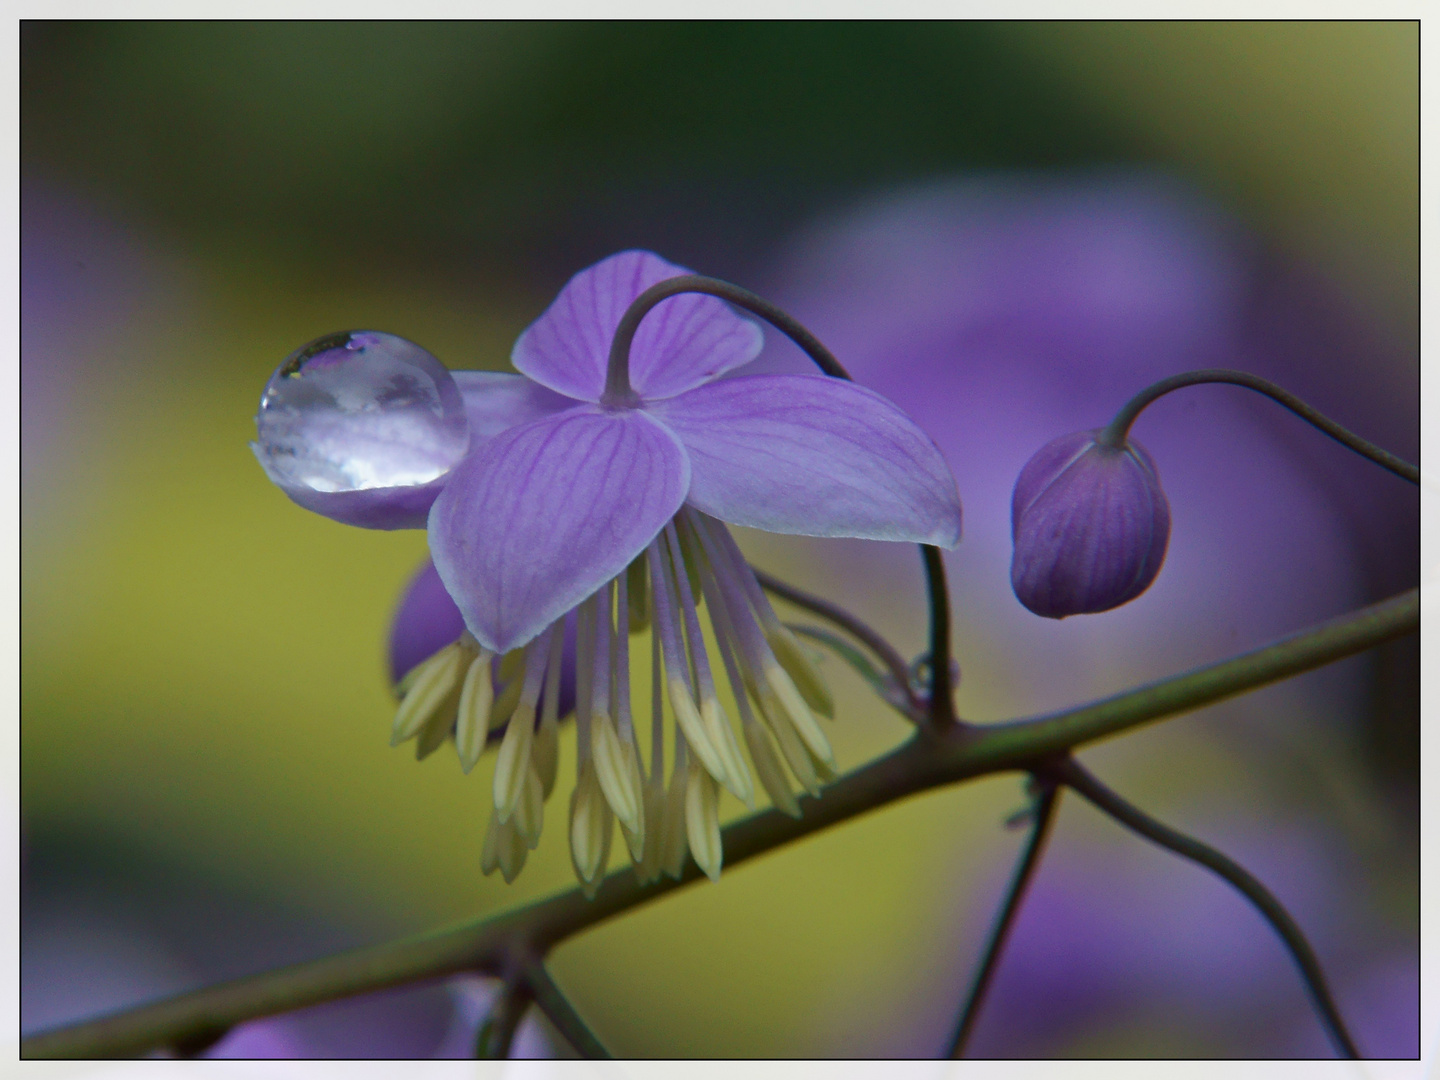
(772,773)
(737,776)
(791,656)
(799,714)
(688,717)
(472,717)
(619,779)
(702,820)
(590,829)
(513,763)
(428,686)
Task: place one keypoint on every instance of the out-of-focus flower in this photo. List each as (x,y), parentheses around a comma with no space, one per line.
(576,496)
(1090,524)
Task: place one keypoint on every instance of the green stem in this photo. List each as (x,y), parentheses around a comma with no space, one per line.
(497,1031)
(1116,431)
(928,760)
(1074,775)
(562,1014)
(1044,814)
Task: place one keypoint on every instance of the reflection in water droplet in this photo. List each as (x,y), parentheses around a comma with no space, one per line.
(360,410)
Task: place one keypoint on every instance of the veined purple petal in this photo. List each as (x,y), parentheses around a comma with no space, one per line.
(548,513)
(496,401)
(684,342)
(813,456)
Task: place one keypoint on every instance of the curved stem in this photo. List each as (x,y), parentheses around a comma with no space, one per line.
(556,1006)
(1073,774)
(929,760)
(497,1031)
(1117,430)
(942,690)
(617,373)
(886,653)
(1014,896)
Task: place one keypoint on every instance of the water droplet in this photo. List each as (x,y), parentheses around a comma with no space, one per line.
(359,410)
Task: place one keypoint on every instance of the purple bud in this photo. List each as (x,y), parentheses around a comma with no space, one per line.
(1090,525)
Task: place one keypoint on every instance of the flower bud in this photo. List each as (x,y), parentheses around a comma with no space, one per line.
(1090,524)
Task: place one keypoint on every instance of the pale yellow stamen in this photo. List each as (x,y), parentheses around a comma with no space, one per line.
(513,762)
(772,773)
(687,715)
(430,684)
(472,718)
(792,657)
(505,703)
(702,820)
(545,754)
(618,773)
(796,756)
(530,810)
(590,831)
(504,849)
(737,776)
(799,715)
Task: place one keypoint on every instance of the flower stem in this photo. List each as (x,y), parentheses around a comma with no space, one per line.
(942,690)
(1117,430)
(1073,774)
(1044,817)
(562,1014)
(497,1031)
(928,760)
(617,373)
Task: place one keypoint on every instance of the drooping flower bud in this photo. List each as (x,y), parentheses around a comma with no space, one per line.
(1090,524)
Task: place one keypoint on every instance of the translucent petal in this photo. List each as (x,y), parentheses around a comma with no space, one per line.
(549,513)
(683,342)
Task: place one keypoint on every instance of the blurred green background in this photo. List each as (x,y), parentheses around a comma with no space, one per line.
(202,689)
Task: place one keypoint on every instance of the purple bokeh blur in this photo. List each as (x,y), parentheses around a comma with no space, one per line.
(1001,312)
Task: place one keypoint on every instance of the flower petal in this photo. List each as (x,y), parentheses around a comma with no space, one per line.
(425,622)
(496,401)
(548,513)
(684,342)
(813,456)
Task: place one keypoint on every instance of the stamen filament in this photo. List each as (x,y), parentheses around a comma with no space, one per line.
(734,775)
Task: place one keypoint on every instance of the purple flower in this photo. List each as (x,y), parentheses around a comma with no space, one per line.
(1090,524)
(568,501)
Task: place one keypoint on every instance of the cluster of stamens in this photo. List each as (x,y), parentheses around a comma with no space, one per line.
(693,562)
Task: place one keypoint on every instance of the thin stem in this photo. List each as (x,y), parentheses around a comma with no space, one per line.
(922,763)
(497,1031)
(617,373)
(1117,430)
(1072,773)
(942,692)
(886,653)
(556,1006)
(1044,817)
